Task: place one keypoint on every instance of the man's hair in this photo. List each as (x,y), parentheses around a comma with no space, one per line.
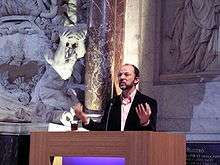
(136,70)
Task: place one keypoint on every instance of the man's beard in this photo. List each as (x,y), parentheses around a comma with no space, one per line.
(123,86)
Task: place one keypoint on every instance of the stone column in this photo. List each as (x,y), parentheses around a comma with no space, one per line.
(101,50)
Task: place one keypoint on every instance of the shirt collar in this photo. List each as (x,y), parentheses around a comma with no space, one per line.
(129,99)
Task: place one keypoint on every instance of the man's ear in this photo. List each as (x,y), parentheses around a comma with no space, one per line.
(136,80)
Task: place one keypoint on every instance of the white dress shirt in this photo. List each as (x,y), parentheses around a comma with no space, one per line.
(125,108)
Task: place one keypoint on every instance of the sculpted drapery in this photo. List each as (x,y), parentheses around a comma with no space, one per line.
(194,36)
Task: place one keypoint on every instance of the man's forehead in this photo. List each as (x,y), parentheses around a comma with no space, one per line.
(127,68)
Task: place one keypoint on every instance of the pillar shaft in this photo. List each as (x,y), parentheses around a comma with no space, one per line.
(100,57)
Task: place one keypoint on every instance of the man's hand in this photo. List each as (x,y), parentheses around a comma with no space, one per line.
(144,113)
(78,110)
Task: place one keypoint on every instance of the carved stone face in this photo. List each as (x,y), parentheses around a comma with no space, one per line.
(76,47)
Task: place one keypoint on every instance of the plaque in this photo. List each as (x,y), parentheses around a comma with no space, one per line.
(203,153)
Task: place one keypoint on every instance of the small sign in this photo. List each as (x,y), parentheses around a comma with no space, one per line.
(203,153)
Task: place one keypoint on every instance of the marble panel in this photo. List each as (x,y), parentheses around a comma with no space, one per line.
(14,149)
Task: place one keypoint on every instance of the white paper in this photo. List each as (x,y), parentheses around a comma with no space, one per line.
(62,128)
(58,128)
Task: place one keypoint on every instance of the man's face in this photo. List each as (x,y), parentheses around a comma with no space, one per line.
(127,78)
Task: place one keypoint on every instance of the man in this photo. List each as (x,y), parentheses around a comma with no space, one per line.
(129,111)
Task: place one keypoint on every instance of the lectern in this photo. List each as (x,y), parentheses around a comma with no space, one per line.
(137,147)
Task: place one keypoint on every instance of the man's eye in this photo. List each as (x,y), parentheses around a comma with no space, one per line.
(127,74)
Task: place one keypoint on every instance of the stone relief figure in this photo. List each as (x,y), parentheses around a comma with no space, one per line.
(62,83)
(195,35)
(39,78)
(18,35)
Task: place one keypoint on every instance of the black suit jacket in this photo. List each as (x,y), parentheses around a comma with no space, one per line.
(132,123)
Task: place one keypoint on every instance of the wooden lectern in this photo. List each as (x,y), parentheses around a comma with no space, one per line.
(137,147)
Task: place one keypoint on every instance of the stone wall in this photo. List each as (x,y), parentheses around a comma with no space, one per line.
(186,102)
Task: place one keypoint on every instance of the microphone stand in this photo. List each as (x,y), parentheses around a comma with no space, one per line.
(111,102)
(112,95)
(109,111)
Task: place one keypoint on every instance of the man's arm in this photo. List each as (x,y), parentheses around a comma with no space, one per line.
(87,122)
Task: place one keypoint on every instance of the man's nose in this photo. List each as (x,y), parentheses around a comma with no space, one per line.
(122,76)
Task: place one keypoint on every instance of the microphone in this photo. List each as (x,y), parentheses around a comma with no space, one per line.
(108,115)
